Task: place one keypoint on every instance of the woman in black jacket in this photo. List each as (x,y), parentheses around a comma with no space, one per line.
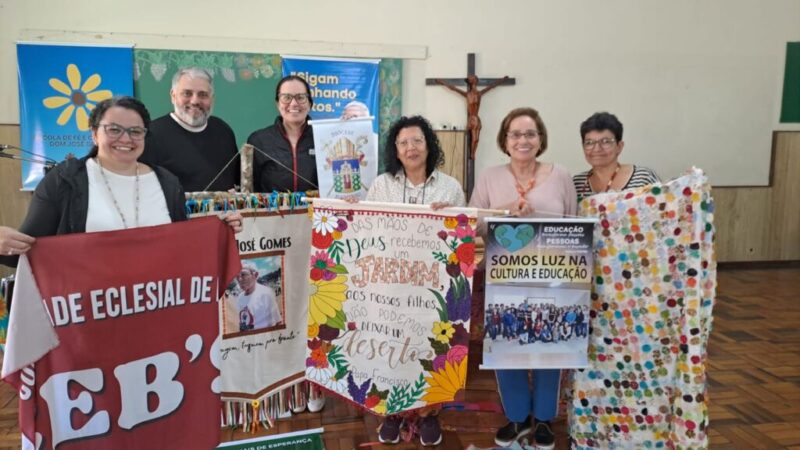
(106,190)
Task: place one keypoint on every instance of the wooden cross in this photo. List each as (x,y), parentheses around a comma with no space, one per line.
(473,95)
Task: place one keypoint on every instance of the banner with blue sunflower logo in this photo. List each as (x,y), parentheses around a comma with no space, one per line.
(59,85)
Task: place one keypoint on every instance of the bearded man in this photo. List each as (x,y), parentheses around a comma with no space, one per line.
(198,148)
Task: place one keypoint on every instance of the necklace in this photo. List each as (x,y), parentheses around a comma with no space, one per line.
(413,199)
(611,180)
(523,191)
(114,199)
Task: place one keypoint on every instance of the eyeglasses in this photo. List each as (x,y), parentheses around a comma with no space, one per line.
(416,142)
(605,143)
(287,98)
(115,131)
(516,135)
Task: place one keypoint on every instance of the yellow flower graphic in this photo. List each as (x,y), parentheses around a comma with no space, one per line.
(313,331)
(325,299)
(444,384)
(443,331)
(380,408)
(80,99)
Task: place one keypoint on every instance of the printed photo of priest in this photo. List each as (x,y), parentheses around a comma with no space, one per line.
(254,300)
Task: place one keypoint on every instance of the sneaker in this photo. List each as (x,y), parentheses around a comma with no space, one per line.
(543,436)
(430,432)
(512,432)
(316,404)
(389,431)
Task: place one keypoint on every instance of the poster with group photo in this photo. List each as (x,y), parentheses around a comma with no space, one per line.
(538,285)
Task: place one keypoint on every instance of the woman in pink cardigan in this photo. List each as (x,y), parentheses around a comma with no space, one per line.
(527,188)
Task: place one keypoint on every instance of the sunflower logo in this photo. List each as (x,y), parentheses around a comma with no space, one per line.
(79,99)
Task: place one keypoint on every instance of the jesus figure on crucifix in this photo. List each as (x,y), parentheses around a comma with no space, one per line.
(473,96)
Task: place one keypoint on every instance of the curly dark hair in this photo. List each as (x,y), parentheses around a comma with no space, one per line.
(435,155)
(123,102)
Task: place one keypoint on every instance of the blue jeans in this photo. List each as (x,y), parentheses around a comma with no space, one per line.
(520,399)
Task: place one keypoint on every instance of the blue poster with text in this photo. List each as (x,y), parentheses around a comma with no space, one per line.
(59,86)
(340,88)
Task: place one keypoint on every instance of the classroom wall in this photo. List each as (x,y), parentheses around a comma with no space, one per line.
(696,83)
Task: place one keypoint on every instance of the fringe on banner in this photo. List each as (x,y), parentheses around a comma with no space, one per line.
(206,202)
(253,415)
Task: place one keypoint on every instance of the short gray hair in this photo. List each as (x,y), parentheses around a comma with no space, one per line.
(250,267)
(193,72)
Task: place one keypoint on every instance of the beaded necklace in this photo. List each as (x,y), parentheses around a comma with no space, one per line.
(611,180)
(114,199)
(523,191)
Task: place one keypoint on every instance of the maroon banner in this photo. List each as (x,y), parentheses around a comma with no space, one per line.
(128,358)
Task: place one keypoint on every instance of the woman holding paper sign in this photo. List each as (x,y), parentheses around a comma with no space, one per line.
(109,189)
(527,188)
(412,154)
(284,159)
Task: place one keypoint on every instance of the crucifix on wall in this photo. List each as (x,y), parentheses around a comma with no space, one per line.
(472,94)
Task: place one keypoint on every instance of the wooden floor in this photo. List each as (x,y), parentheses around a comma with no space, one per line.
(754,376)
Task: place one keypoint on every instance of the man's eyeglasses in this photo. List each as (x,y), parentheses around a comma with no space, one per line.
(516,135)
(605,143)
(115,131)
(416,142)
(287,98)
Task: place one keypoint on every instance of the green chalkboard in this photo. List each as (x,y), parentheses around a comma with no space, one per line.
(244,86)
(790,108)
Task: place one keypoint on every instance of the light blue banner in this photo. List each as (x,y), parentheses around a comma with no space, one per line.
(59,85)
(337,83)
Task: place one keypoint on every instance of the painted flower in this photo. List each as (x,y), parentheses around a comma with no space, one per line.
(467,269)
(371,401)
(319,375)
(457,353)
(450,223)
(444,384)
(466,253)
(465,233)
(325,299)
(442,235)
(321,264)
(313,331)
(438,362)
(319,357)
(342,225)
(458,299)
(380,408)
(463,220)
(79,99)
(443,331)
(324,222)
(321,241)
(452,258)
(461,336)
(454,270)
(337,385)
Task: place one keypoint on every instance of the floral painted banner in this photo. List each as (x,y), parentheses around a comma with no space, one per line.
(389,302)
(653,293)
(59,85)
